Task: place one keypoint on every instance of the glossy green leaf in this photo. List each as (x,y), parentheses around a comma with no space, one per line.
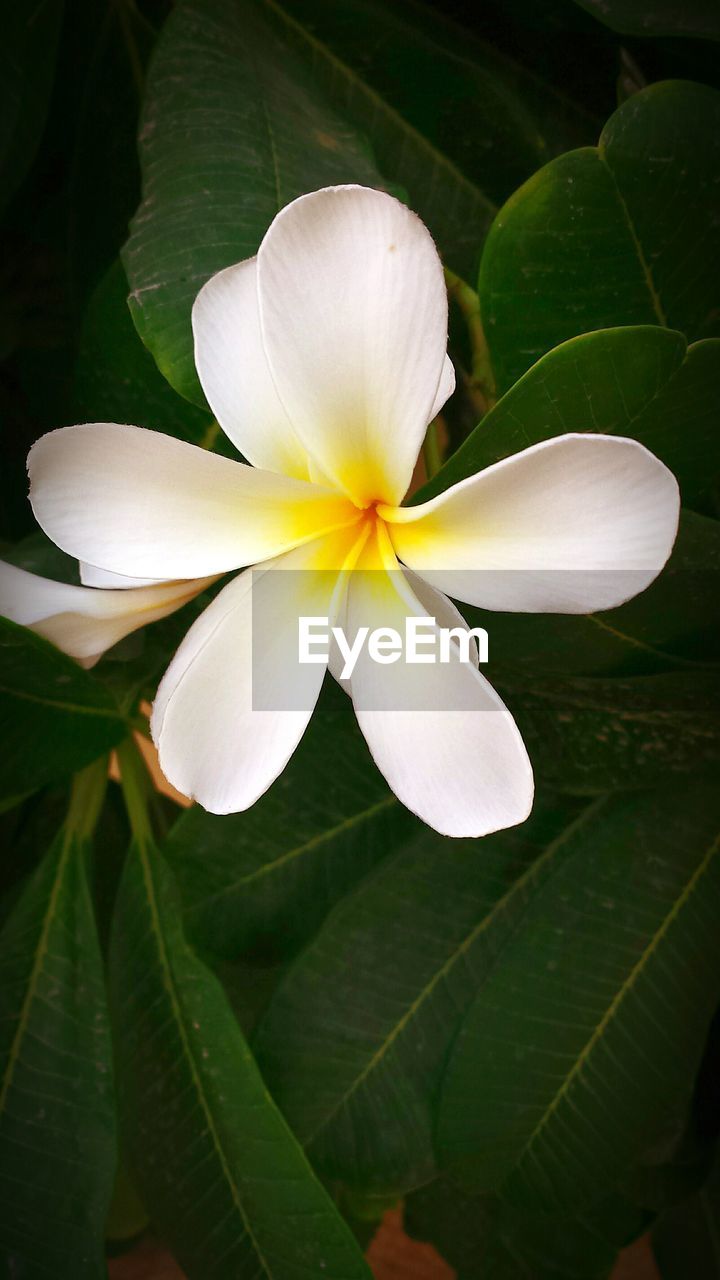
(112,44)
(216,1166)
(368,1010)
(57,1138)
(686,1240)
(127,1217)
(116,378)
(248,985)
(579,1053)
(642,382)
(593,735)
(464,111)
(38,554)
(54,717)
(696,18)
(233,128)
(457,210)
(266,878)
(674,623)
(621,234)
(28,827)
(481,1236)
(27,67)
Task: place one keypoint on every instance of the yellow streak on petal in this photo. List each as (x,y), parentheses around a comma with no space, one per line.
(412,531)
(320,513)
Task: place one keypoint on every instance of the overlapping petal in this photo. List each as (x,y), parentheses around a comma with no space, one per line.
(84,622)
(234,701)
(442,737)
(235,375)
(353,311)
(91,576)
(143,504)
(446,386)
(572,525)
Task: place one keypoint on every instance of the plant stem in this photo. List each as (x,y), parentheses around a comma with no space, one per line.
(482,382)
(210,436)
(137,790)
(432,455)
(86,799)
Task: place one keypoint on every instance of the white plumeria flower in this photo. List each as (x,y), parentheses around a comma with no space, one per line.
(84,622)
(324,359)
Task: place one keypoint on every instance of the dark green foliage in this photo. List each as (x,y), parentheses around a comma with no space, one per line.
(57,1114)
(320,1006)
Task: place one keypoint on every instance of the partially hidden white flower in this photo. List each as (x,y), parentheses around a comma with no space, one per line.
(84,622)
(324,359)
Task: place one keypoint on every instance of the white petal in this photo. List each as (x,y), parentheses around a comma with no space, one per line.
(445,388)
(234,372)
(146,505)
(84,622)
(439,733)
(353,310)
(91,576)
(571,525)
(234,702)
(436,605)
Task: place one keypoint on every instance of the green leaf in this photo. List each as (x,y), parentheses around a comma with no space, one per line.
(220,1173)
(696,18)
(592,735)
(479,1235)
(233,128)
(54,717)
(112,43)
(457,211)
(568,1068)
(621,234)
(127,1217)
(38,554)
(266,878)
(30,38)
(57,1138)
(368,1010)
(641,381)
(439,106)
(116,378)
(27,829)
(248,985)
(674,623)
(686,1240)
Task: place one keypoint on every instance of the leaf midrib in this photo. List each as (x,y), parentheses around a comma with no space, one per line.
(498,907)
(171,988)
(636,643)
(314,842)
(322,50)
(625,988)
(35,971)
(636,242)
(106,713)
